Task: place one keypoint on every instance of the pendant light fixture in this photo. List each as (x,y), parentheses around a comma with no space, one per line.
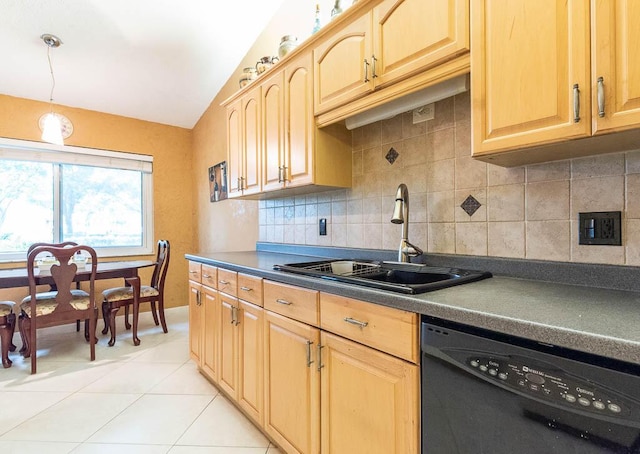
(55,127)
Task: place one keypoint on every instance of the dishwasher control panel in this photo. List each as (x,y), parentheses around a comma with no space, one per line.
(548,383)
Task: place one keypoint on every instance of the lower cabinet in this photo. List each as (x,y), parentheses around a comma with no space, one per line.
(292,384)
(368,400)
(319,373)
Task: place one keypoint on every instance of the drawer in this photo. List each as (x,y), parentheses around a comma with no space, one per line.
(294,302)
(210,276)
(195,271)
(250,289)
(228,282)
(384,328)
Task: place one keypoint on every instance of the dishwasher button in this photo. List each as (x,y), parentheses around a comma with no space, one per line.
(598,405)
(502,376)
(570,398)
(584,401)
(493,372)
(474,363)
(483,368)
(614,408)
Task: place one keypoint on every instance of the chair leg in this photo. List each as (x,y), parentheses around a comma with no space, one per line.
(161,310)
(112,325)
(77,325)
(12,322)
(24,325)
(6,333)
(136,313)
(92,333)
(126,317)
(105,317)
(154,313)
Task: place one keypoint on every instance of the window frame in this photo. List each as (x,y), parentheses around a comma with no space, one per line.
(66,154)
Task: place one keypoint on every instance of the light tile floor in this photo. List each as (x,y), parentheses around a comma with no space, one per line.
(149,399)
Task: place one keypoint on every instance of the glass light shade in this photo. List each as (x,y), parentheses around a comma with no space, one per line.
(52,131)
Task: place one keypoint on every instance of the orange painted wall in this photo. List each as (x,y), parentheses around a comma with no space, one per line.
(171,148)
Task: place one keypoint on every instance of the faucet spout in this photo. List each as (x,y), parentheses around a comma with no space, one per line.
(401,216)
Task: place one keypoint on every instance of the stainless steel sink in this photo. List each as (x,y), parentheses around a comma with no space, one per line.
(393,276)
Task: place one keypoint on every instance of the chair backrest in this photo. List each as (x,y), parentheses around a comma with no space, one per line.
(162,264)
(35,245)
(61,273)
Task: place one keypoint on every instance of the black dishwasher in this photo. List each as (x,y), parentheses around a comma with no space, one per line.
(483,392)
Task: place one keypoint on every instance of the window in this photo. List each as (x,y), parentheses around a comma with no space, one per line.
(54,194)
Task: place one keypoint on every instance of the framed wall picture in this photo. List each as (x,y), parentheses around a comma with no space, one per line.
(218,182)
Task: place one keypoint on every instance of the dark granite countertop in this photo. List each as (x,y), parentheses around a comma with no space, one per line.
(595,320)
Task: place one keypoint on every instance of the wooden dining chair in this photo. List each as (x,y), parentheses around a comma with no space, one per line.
(115,298)
(63,303)
(7,328)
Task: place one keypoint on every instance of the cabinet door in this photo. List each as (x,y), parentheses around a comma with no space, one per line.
(251,360)
(228,350)
(413,35)
(251,128)
(210,329)
(340,72)
(292,382)
(195,321)
(616,60)
(526,59)
(370,400)
(301,125)
(273,130)
(234,149)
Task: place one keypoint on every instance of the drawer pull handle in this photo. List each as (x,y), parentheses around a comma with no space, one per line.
(309,360)
(576,103)
(285,302)
(601,96)
(193,272)
(246,289)
(358,323)
(223,282)
(206,276)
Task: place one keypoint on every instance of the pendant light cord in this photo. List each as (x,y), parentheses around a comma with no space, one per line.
(53,79)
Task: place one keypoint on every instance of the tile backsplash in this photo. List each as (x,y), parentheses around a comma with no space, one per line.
(525,212)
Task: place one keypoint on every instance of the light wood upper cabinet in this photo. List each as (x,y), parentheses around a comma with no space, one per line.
(616,40)
(342,65)
(393,41)
(546,72)
(411,35)
(369,400)
(244,148)
(527,58)
(273,132)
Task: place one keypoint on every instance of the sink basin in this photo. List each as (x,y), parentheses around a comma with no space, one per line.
(394,276)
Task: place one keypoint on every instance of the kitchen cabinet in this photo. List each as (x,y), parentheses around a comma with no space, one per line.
(295,152)
(292,384)
(195,321)
(544,73)
(210,308)
(369,400)
(318,372)
(244,144)
(394,40)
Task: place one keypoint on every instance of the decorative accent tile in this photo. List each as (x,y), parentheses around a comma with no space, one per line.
(392,155)
(470,205)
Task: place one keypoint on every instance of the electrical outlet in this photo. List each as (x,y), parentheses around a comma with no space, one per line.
(424,113)
(600,228)
(322,225)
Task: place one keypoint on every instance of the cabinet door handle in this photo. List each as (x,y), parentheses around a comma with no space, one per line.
(284,174)
(373,68)
(320,365)
(358,323)
(246,289)
(309,360)
(198,298)
(366,71)
(232,312)
(576,103)
(280,177)
(601,96)
(284,302)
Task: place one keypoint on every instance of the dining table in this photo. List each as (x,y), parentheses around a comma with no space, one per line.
(17,277)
